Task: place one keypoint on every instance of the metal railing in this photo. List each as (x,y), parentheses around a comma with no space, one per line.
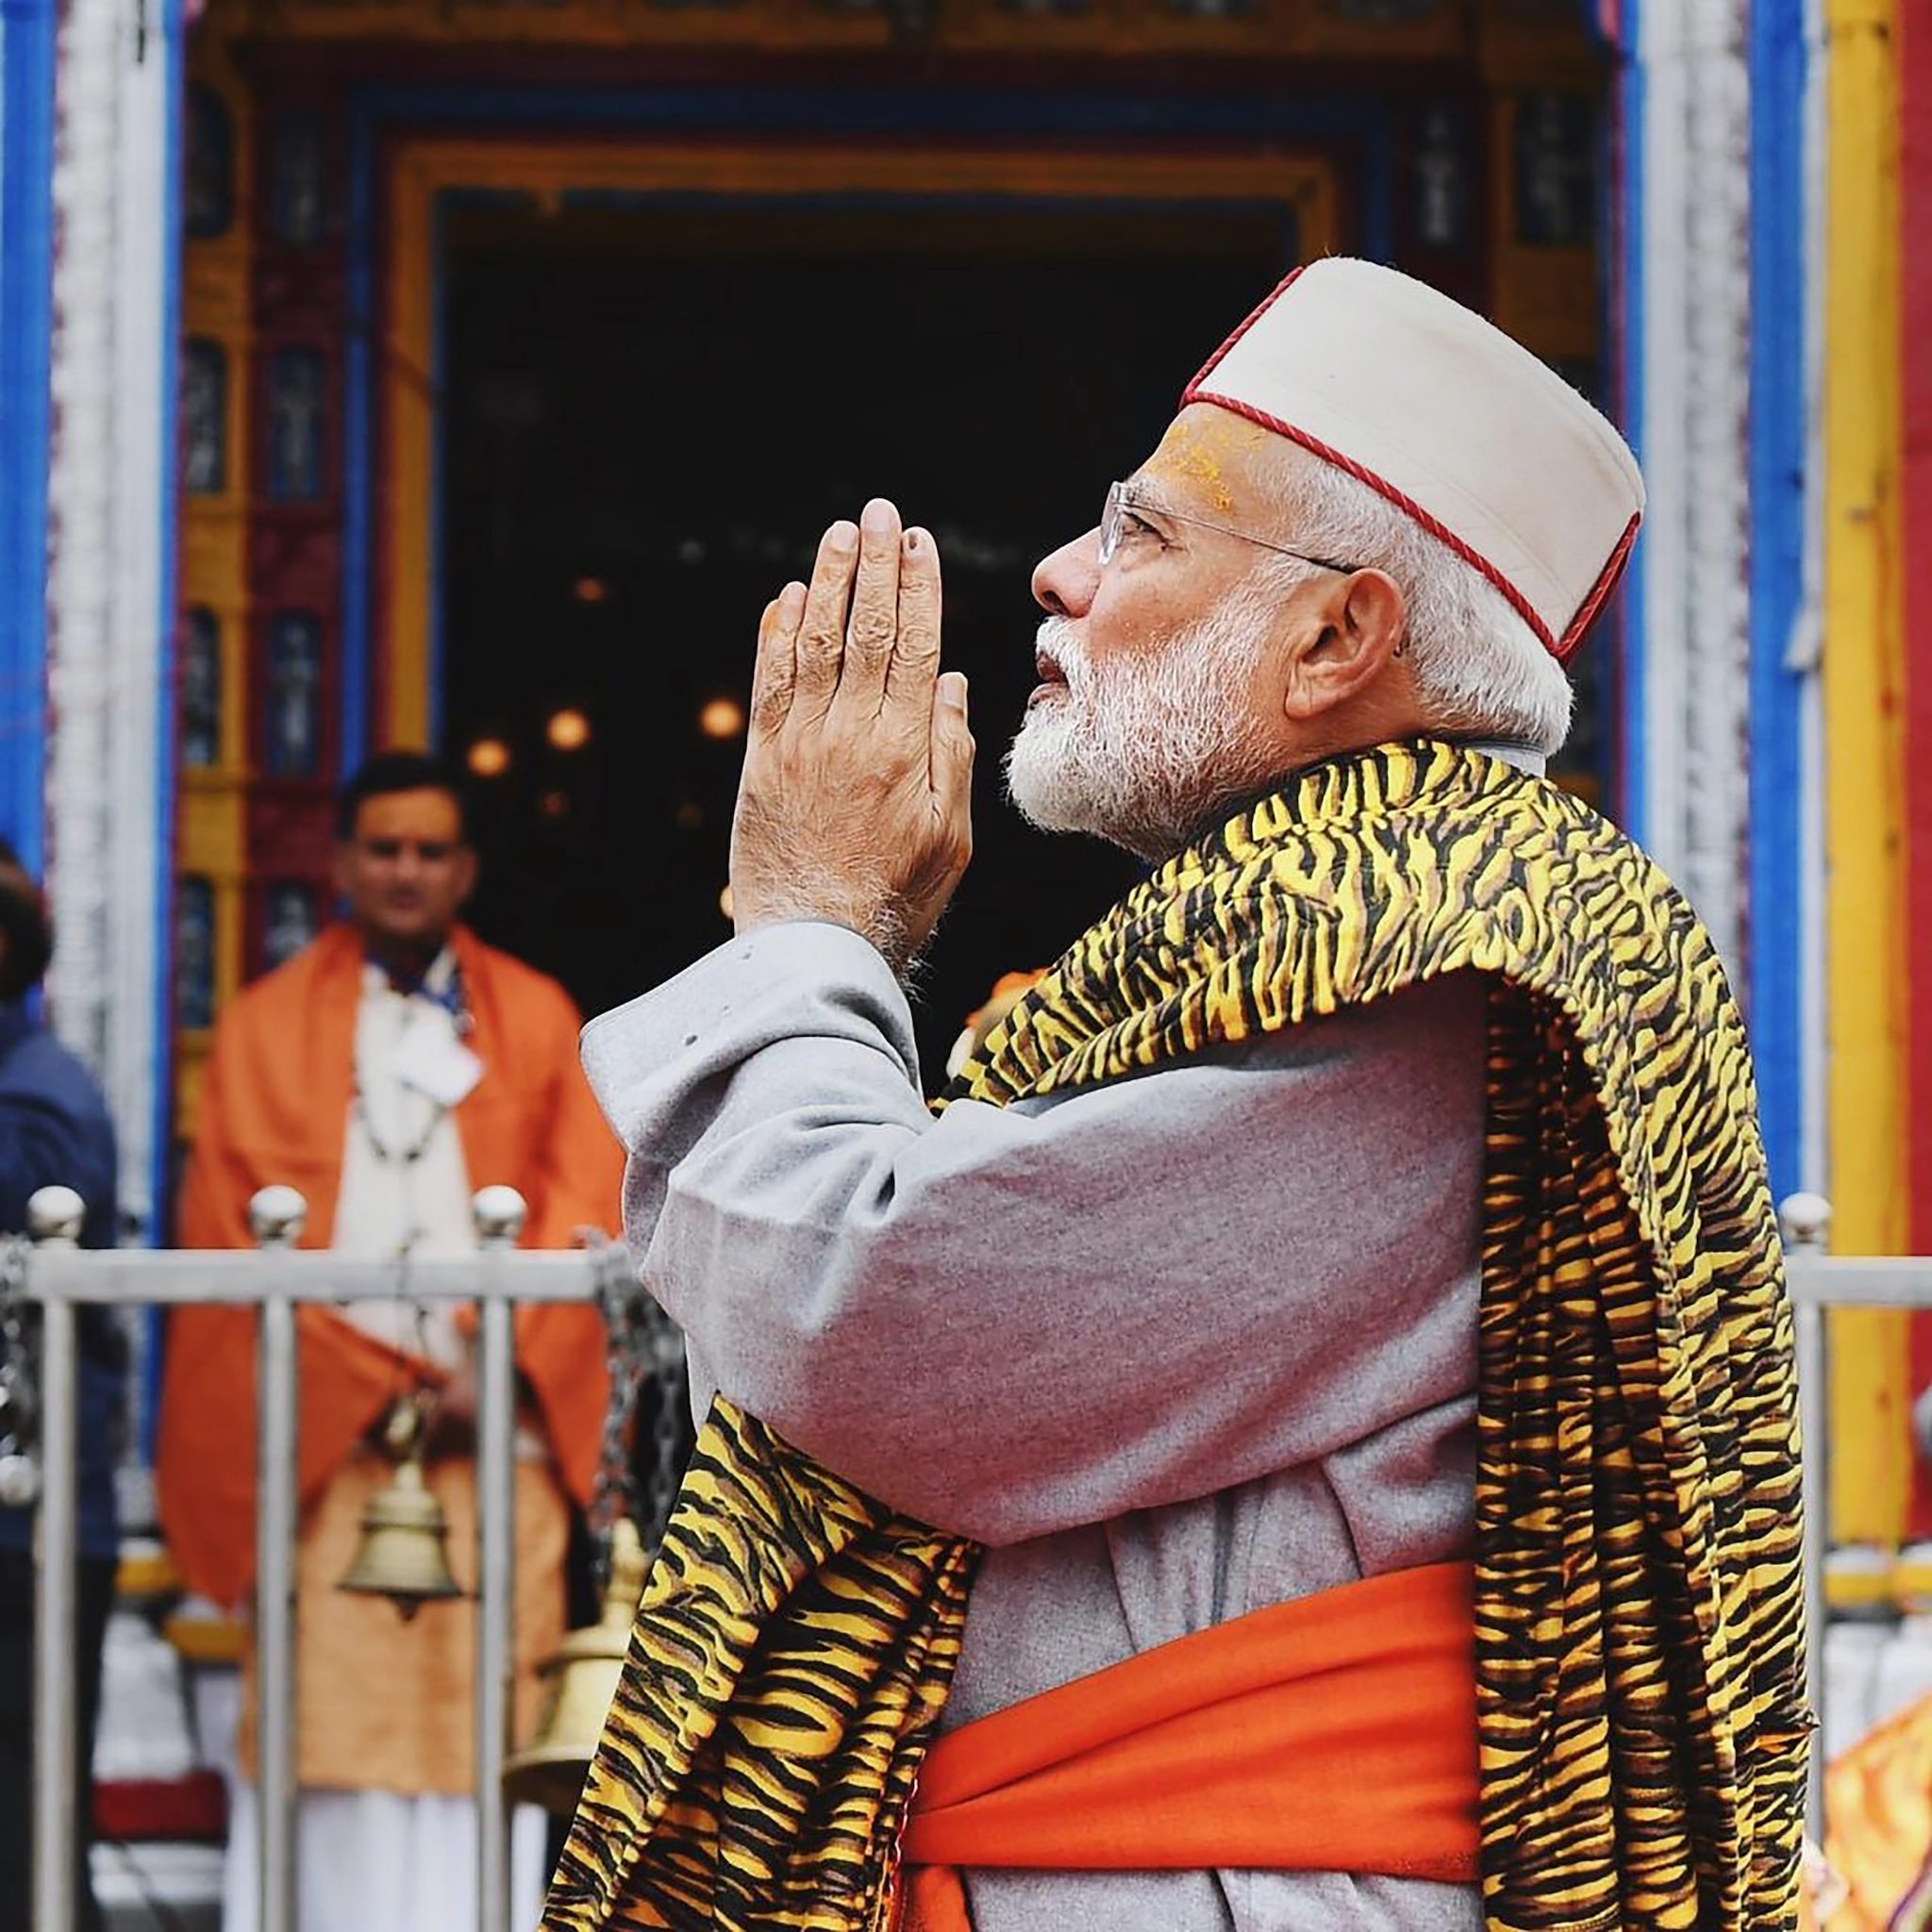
(1820,1282)
(275,1278)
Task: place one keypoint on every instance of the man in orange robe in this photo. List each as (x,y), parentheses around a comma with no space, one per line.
(388,1071)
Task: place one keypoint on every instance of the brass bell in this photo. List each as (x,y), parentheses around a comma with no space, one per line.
(403,1553)
(581,1675)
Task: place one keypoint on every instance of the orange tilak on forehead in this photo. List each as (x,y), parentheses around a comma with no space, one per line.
(1207,457)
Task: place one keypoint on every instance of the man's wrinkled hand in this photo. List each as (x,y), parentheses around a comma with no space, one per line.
(855,801)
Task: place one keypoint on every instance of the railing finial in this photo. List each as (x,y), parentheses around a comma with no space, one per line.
(276,1216)
(1805,1220)
(499,1213)
(55,1214)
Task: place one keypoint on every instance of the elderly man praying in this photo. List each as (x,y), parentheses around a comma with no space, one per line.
(1304,1437)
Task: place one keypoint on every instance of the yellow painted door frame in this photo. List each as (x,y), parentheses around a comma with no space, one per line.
(1864,671)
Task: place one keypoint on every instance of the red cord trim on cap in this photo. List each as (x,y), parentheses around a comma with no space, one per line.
(1600,594)
(1259,309)
(1407,505)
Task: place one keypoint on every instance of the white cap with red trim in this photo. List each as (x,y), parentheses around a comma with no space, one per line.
(1456,424)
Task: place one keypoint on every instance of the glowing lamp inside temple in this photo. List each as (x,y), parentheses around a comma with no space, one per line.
(591,591)
(722,718)
(568,731)
(489,758)
(724,901)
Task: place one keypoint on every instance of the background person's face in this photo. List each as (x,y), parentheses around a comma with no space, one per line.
(404,872)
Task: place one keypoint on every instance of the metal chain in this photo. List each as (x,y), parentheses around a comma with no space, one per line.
(20,1400)
(641,1341)
(670,1432)
(613,1492)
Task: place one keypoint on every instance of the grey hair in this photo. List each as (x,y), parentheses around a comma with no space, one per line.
(1479,670)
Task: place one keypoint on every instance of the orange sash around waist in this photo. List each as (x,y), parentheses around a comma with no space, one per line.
(1335,1733)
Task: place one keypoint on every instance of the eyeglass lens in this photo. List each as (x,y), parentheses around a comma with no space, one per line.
(1110,524)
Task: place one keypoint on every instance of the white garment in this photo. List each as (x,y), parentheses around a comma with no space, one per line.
(388,1202)
(369,1861)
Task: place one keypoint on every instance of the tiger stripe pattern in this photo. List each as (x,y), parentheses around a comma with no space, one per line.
(1642,1728)
(791,1655)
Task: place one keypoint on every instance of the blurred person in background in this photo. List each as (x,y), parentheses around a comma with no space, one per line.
(390,1068)
(54,1132)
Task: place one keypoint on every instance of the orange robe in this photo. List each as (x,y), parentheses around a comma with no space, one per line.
(1878,1802)
(274,1108)
(1335,1733)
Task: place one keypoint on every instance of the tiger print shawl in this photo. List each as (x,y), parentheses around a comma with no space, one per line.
(1641,1724)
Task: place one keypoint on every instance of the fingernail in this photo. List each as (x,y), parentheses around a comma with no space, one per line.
(954,688)
(843,536)
(792,599)
(915,541)
(879,517)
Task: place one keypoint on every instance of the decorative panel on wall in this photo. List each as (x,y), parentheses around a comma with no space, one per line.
(211,689)
(290,686)
(291,916)
(297,424)
(205,414)
(201,688)
(1546,149)
(261,431)
(208,193)
(297,179)
(194,952)
(294,544)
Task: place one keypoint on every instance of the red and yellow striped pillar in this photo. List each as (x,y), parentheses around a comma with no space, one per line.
(1877,666)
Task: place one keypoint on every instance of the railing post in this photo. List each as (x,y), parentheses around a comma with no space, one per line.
(275,1216)
(55,1217)
(1804,1221)
(500,1213)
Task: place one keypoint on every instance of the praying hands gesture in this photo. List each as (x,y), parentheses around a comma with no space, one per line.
(855,801)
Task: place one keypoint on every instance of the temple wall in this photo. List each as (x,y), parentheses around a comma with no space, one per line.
(238,388)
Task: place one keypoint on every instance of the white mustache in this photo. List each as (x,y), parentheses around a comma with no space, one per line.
(1060,642)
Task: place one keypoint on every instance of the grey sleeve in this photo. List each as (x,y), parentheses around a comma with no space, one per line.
(1009,1321)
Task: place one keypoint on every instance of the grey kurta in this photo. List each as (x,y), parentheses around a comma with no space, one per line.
(1174,1347)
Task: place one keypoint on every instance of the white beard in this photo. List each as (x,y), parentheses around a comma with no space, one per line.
(1142,751)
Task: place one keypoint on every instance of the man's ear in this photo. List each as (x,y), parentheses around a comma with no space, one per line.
(1358,627)
(339,867)
(466,874)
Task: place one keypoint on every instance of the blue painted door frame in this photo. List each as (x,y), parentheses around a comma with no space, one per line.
(26,298)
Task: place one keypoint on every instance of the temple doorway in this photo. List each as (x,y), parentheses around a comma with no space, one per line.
(650,414)
(525,348)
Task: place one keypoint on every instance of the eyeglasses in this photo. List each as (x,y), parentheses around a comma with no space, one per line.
(1121,505)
